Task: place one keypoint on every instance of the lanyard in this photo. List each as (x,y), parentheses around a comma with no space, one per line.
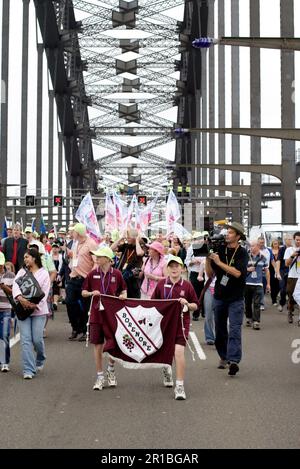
(102,277)
(128,257)
(169,296)
(231,260)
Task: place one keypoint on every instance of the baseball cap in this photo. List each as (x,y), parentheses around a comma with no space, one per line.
(62,230)
(104,252)
(39,245)
(2,258)
(51,235)
(80,229)
(28,229)
(172,258)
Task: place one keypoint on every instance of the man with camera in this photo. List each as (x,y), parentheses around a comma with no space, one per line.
(230,267)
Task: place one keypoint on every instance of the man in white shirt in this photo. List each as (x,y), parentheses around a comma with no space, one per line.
(292,260)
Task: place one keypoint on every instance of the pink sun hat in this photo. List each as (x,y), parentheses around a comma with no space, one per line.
(157,246)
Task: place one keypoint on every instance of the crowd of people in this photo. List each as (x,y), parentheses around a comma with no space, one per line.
(226,288)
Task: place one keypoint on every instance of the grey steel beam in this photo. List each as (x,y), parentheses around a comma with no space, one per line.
(39,126)
(4,107)
(255,112)
(272,169)
(279,133)
(212,114)
(24,105)
(288,115)
(60,173)
(235,89)
(221,92)
(50,156)
(283,43)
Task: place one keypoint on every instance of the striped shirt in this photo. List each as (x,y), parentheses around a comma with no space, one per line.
(8,279)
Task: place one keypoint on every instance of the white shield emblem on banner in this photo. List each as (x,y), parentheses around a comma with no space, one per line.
(138,333)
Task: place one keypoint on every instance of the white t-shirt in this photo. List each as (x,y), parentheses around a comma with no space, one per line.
(294,271)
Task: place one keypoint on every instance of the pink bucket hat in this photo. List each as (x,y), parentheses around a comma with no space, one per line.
(157,246)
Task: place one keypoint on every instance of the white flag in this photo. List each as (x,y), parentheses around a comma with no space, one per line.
(172,212)
(86,215)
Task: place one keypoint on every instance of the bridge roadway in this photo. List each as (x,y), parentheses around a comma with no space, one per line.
(259,408)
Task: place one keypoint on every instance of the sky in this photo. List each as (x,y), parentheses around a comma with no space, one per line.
(270,88)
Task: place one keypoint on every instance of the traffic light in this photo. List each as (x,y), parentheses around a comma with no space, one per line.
(30,200)
(58,201)
(142,199)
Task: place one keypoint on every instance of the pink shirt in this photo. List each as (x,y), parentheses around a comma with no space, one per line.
(85,262)
(43,278)
(151,267)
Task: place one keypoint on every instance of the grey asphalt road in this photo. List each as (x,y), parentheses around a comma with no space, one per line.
(259,408)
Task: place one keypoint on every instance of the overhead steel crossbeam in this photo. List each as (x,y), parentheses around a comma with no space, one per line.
(130,92)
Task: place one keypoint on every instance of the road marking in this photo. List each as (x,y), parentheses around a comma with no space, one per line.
(197,345)
(14,340)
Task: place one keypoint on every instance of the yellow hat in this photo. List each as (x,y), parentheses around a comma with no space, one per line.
(172,258)
(28,229)
(2,258)
(104,252)
(80,229)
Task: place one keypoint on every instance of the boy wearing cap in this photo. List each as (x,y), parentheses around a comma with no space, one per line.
(104,279)
(174,287)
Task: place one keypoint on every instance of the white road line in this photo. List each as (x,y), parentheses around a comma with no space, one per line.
(14,340)
(197,345)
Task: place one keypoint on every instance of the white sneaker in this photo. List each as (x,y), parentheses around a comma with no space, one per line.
(256,325)
(40,368)
(179,392)
(111,379)
(280,308)
(99,384)
(168,379)
(4,368)
(262,308)
(27,376)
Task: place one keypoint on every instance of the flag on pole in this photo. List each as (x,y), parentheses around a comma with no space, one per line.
(110,213)
(33,225)
(86,215)
(141,333)
(172,212)
(121,212)
(42,226)
(145,215)
(4,229)
(130,212)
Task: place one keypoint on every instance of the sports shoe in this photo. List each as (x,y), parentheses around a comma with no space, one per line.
(82,338)
(168,379)
(55,306)
(4,368)
(275,304)
(248,323)
(179,392)
(280,308)
(99,384)
(222,364)
(111,379)
(233,369)
(39,367)
(256,325)
(27,376)
(262,308)
(290,317)
(73,336)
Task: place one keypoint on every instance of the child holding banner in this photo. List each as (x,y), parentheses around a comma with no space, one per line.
(171,288)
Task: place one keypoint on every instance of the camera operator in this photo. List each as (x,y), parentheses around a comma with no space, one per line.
(230,267)
(292,261)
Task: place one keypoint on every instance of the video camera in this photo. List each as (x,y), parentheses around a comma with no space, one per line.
(212,243)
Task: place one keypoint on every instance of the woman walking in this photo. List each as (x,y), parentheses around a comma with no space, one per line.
(154,269)
(31,329)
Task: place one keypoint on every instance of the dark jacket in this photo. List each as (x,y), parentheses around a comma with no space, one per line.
(8,251)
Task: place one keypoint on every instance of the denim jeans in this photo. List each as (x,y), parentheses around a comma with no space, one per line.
(4,337)
(253,295)
(209,323)
(31,338)
(229,342)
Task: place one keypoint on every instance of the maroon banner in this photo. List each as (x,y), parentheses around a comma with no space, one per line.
(141,331)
